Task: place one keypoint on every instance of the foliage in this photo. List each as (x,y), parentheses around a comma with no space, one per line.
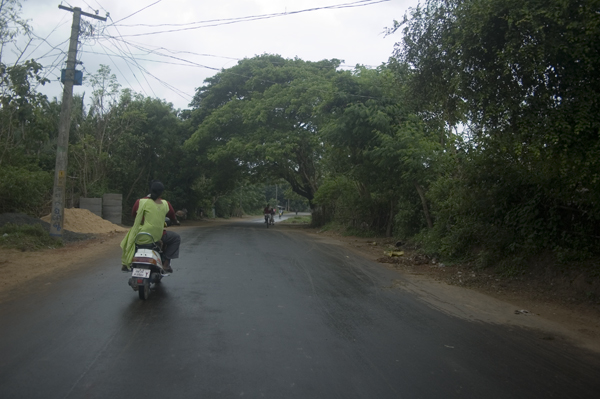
(342,198)
(479,138)
(246,199)
(25,189)
(146,143)
(20,106)
(11,24)
(517,79)
(257,120)
(382,151)
(26,237)
(105,92)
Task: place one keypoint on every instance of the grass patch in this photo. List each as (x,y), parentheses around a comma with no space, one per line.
(334,227)
(354,232)
(345,231)
(298,220)
(27,237)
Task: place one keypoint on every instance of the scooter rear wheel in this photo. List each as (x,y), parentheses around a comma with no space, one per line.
(144,290)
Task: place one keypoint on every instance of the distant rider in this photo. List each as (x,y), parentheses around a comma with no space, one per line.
(268,211)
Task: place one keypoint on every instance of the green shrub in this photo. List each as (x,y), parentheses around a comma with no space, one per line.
(298,219)
(27,237)
(24,189)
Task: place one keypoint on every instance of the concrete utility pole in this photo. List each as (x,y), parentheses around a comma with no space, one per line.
(62,145)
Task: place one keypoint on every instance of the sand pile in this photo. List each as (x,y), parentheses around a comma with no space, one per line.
(84,221)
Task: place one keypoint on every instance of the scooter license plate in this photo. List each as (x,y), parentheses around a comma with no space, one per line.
(143,273)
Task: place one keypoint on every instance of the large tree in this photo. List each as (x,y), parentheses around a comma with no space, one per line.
(259,118)
(377,143)
(517,80)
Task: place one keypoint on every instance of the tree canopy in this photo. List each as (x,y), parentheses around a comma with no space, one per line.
(478,139)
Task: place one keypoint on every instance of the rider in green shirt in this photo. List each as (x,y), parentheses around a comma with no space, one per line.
(150,219)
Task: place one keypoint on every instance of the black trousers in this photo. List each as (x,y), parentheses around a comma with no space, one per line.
(171,240)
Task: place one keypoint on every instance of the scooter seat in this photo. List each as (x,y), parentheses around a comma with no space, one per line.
(146,246)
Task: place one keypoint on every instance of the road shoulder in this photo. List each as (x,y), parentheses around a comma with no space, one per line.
(451,289)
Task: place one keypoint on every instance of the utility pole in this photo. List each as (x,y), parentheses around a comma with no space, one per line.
(62,145)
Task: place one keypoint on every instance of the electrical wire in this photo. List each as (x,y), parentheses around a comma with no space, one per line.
(170,56)
(360,3)
(148,51)
(135,62)
(118,69)
(45,40)
(157,51)
(117,47)
(103,9)
(188,64)
(180,93)
(122,74)
(131,15)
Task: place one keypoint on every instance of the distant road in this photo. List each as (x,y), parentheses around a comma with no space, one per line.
(284,217)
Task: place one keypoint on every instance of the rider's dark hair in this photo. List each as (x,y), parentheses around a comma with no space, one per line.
(156,189)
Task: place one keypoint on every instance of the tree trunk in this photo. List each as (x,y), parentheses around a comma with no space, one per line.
(133,185)
(424,202)
(388,230)
(320,215)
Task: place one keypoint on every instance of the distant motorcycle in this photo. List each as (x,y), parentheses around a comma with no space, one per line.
(147,265)
(182,214)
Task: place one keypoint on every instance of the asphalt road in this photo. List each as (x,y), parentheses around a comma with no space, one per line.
(256,312)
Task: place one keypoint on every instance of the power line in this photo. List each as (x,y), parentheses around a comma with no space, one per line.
(213,23)
(124,50)
(103,9)
(358,3)
(59,60)
(187,64)
(133,58)
(122,74)
(128,66)
(195,64)
(180,93)
(131,15)
(170,56)
(45,40)
(156,51)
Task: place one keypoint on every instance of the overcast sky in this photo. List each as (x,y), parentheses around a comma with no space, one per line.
(136,44)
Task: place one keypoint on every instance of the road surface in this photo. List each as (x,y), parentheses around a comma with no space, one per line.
(255,312)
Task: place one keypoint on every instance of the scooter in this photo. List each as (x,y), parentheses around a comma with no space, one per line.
(147,266)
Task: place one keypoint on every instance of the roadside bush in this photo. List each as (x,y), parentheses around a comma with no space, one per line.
(24,189)
(346,202)
(27,237)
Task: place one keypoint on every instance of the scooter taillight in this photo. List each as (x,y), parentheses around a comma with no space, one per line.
(144,260)
(140,281)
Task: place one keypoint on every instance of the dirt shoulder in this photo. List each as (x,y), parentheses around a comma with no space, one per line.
(553,306)
(18,268)
(556,304)
(21,267)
